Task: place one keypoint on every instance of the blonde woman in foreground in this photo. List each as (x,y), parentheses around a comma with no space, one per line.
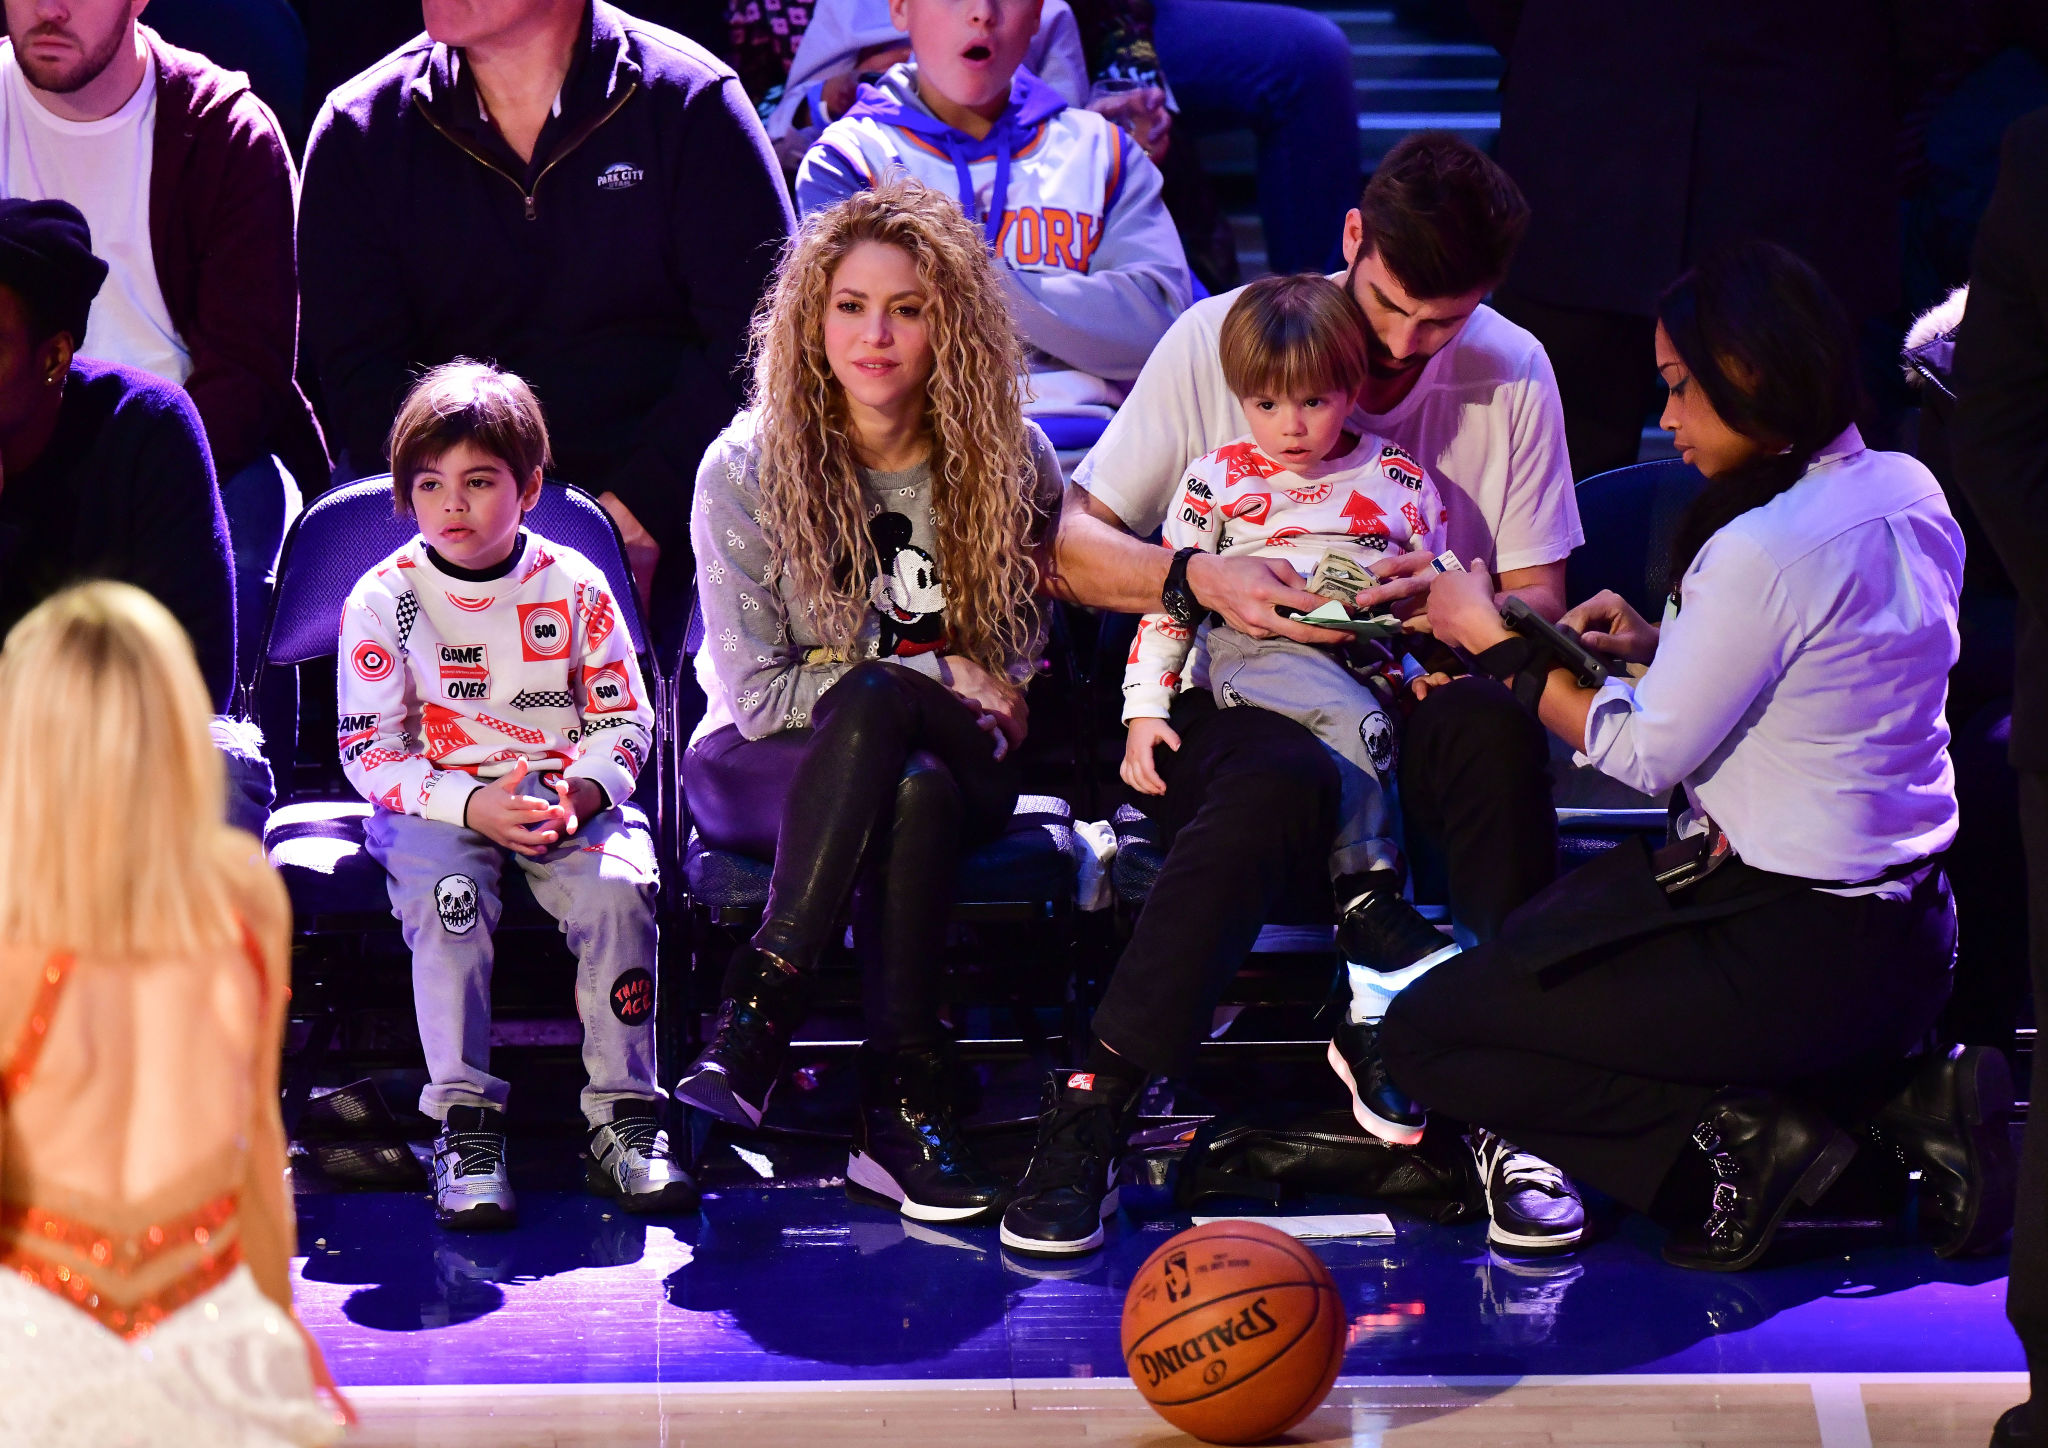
(146,1224)
(864,536)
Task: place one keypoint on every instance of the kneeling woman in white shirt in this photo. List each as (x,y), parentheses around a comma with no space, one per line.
(1691,1031)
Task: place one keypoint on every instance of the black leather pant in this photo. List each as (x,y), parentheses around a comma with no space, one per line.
(878,801)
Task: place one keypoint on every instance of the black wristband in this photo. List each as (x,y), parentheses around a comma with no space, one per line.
(1518,663)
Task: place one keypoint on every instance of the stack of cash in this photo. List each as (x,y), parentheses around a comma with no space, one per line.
(1339,577)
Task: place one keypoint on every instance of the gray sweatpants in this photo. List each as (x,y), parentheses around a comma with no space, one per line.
(1311,687)
(599,885)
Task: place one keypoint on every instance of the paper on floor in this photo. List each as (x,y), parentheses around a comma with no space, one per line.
(1335,1224)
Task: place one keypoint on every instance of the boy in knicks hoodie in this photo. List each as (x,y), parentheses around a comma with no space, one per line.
(1069,204)
(491,704)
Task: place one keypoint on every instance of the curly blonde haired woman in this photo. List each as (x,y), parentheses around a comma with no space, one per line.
(866,537)
(145,1212)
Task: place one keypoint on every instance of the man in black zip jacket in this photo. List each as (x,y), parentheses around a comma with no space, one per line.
(582,197)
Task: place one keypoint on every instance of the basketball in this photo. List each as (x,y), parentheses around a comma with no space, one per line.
(1233,1331)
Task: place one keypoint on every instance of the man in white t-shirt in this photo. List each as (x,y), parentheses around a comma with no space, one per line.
(1250,795)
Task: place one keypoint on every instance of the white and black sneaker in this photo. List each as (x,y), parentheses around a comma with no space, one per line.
(472,1191)
(628,1159)
(1070,1188)
(1534,1209)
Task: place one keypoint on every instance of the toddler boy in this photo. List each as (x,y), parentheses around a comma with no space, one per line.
(491,705)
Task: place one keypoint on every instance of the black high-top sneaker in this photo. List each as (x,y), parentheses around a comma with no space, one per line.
(907,1143)
(765,1001)
(1377,1104)
(1069,1189)
(1380,929)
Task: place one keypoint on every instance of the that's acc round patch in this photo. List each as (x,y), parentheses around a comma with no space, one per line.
(632,997)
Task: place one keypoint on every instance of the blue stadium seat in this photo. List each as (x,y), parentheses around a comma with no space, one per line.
(1629,515)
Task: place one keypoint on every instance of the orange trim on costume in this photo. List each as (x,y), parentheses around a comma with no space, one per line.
(121,1257)
(30,1043)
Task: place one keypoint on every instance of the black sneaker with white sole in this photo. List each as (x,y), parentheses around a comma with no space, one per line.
(1534,1209)
(472,1191)
(1069,1189)
(1381,930)
(1377,1104)
(907,1142)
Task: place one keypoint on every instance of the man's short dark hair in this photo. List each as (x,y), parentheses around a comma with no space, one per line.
(465,401)
(1442,216)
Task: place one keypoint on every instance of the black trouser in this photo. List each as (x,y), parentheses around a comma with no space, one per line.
(878,800)
(1606,370)
(1249,810)
(2026,1292)
(1605,1063)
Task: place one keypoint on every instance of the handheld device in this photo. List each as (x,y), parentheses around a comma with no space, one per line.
(1588,669)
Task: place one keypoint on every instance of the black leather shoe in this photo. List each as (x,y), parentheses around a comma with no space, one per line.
(1380,929)
(1766,1152)
(1952,1124)
(907,1144)
(1377,1104)
(765,1001)
(2015,1427)
(1069,1189)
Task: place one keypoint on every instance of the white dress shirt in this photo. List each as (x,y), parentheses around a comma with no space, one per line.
(1799,692)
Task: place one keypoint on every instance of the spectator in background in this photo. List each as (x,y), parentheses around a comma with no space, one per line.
(851,42)
(106,473)
(1646,135)
(183,176)
(1091,265)
(580,196)
(2000,449)
(1283,73)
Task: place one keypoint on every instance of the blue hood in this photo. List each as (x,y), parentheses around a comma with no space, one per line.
(894,101)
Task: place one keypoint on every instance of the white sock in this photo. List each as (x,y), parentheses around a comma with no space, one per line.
(1372,991)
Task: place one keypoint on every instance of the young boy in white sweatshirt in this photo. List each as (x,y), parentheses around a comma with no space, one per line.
(491,705)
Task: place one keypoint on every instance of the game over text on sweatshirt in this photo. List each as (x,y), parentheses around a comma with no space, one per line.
(445,682)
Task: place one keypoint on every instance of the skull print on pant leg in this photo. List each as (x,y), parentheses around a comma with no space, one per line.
(455,898)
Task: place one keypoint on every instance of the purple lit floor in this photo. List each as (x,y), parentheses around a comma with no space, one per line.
(778,1282)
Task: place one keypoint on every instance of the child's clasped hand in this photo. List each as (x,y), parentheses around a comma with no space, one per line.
(527,825)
